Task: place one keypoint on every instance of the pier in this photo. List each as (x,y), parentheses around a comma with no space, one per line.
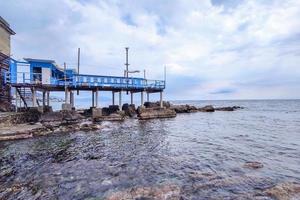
(39,75)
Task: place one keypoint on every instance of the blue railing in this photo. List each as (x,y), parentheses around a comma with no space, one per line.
(79,80)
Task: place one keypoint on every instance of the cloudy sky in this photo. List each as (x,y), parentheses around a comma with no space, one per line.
(212,49)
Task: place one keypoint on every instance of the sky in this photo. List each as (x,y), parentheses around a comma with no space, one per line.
(212,49)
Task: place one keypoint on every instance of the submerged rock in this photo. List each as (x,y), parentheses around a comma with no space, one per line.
(284,191)
(228,108)
(161,192)
(253,165)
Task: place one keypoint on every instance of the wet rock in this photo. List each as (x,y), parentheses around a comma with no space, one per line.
(110,110)
(284,191)
(184,108)
(129,109)
(119,116)
(253,165)
(156,104)
(208,108)
(155,113)
(233,108)
(89,126)
(6,106)
(162,192)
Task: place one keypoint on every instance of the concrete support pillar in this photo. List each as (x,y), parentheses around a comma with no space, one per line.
(131,97)
(33,97)
(48,98)
(148,99)
(93,98)
(97,93)
(113,98)
(142,99)
(72,98)
(44,98)
(66,96)
(16,93)
(161,99)
(120,100)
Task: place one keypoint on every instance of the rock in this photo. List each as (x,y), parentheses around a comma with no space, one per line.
(51,117)
(154,113)
(253,165)
(119,116)
(161,192)
(284,191)
(156,104)
(225,109)
(111,109)
(184,108)
(6,106)
(89,126)
(208,108)
(129,109)
(233,108)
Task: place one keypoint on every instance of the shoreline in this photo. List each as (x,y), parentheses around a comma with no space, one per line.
(33,123)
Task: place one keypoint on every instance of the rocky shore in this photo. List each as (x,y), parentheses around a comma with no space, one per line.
(33,122)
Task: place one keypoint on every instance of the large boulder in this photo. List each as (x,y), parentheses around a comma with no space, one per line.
(208,108)
(184,108)
(154,113)
(166,104)
(109,110)
(129,109)
(6,106)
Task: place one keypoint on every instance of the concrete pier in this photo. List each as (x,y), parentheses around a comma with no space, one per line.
(142,99)
(113,98)
(161,100)
(33,97)
(97,93)
(120,99)
(131,98)
(48,98)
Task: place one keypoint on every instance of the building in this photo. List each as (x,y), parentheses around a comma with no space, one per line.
(5,35)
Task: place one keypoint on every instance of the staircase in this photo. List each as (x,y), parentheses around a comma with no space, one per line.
(25,94)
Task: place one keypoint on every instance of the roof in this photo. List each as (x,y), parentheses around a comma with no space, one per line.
(39,60)
(6,26)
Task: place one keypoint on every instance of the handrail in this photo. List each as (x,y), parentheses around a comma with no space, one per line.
(77,80)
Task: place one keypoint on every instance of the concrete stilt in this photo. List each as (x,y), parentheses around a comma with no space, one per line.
(97,93)
(113,98)
(131,97)
(142,99)
(44,99)
(148,99)
(120,100)
(33,97)
(66,96)
(72,98)
(161,100)
(48,98)
(93,99)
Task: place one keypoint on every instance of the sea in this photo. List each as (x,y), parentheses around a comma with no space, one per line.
(193,156)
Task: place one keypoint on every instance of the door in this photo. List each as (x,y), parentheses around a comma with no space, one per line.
(46,76)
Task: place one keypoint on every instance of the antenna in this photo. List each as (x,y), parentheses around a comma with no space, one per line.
(165,75)
(78,65)
(127,65)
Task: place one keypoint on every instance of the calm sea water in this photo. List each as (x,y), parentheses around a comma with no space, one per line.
(201,153)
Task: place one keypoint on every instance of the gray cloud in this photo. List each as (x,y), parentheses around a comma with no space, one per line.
(212,49)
